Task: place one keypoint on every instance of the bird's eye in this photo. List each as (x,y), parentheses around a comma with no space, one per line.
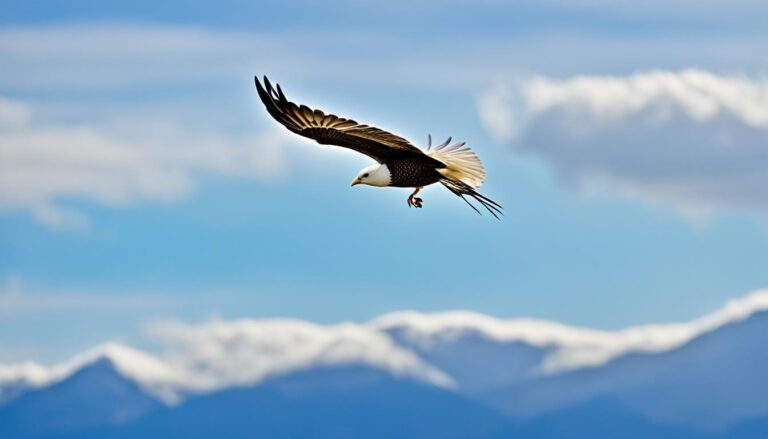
(365,175)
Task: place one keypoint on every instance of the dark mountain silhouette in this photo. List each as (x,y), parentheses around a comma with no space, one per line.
(344,402)
(95,395)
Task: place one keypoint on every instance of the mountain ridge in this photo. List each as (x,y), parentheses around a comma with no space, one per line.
(711,382)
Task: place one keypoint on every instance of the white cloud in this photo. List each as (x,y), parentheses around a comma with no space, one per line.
(692,138)
(27,372)
(43,164)
(151,373)
(568,347)
(99,55)
(95,56)
(13,113)
(220,354)
(701,95)
(88,57)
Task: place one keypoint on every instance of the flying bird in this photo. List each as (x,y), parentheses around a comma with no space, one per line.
(400,163)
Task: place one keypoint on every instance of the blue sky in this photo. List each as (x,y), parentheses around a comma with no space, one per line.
(144,180)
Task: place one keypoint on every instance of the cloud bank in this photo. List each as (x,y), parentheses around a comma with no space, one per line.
(693,139)
(220,354)
(94,56)
(45,164)
(568,347)
(156,159)
(226,353)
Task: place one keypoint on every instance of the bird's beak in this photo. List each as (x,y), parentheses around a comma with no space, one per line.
(355,181)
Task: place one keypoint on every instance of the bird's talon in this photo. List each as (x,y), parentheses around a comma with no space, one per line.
(414,202)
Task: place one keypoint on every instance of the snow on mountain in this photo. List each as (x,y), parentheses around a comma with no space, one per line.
(95,395)
(151,373)
(28,372)
(526,367)
(15,378)
(563,347)
(710,383)
(221,354)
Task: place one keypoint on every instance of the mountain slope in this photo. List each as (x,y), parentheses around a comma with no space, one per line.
(475,361)
(95,395)
(711,382)
(339,402)
(390,377)
(751,429)
(598,418)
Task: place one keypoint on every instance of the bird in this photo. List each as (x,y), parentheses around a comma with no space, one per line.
(399,162)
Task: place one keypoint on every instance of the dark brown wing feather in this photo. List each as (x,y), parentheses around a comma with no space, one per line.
(462,190)
(330,129)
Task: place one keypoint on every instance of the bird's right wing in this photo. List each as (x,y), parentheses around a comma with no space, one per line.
(330,129)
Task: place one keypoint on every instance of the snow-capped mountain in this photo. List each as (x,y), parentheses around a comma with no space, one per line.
(558,347)
(715,380)
(96,395)
(323,402)
(16,379)
(702,379)
(151,373)
(221,354)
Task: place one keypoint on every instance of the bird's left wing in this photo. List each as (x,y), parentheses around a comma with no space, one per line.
(330,129)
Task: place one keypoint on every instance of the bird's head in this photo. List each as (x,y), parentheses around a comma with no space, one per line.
(375,175)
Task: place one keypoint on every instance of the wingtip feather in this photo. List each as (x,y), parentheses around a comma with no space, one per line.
(462,190)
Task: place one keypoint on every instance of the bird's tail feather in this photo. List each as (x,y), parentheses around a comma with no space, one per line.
(461,163)
(461,189)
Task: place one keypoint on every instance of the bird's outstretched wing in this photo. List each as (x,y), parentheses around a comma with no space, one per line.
(329,129)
